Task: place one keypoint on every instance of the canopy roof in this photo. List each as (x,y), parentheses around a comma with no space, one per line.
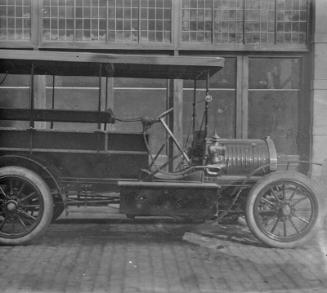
(115,65)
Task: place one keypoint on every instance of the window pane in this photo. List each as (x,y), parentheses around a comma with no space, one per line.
(225,78)
(228,22)
(292,18)
(73,93)
(221,113)
(275,102)
(73,81)
(155,20)
(66,21)
(249,22)
(274,73)
(15,20)
(275,114)
(140,82)
(15,93)
(138,103)
(197,20)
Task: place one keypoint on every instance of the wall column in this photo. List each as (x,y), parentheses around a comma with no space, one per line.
(319,86)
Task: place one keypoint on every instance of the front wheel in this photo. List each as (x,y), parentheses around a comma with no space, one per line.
(26,205)
(282,209)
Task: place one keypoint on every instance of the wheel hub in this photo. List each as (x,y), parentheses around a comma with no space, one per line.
(11,206)
(286,210)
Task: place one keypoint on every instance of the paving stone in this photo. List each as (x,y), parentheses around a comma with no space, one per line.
(157,255)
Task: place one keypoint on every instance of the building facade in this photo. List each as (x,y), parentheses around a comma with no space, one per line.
(273,83)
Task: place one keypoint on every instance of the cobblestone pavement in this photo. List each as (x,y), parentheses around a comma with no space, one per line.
(150,255)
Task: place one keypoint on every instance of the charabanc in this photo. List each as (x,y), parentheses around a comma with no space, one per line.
(43,171)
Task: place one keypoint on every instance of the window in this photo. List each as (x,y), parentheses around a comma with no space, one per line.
(155,18)
(123,18)
(259,22)
(140,98)
(15,93)
(292,19)
(248,22)
(228,21)
(73,93)
(90,20)
(222,109)
(197,21)
(101,20)
(275,101)
(15,19)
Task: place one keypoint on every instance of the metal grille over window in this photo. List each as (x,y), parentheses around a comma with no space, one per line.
(15,19)
(245,21)
(107,20)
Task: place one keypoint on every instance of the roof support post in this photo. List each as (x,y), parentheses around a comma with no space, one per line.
(100,94)
(53,97)
(40,98)
(194,109)
(206,107)
(107,96)
(32,96)
(175,119)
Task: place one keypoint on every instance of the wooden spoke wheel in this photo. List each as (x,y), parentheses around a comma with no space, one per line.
(26,205)
(282,209)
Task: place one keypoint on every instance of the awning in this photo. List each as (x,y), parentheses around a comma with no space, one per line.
(112,65)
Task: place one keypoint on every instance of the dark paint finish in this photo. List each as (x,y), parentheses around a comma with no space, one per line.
(81,64)
(190,200)
(80,154)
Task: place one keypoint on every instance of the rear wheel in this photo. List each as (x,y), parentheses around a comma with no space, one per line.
(282,209)
(26,205)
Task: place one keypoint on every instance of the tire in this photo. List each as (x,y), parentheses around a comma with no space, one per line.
(26,205)
(282,209)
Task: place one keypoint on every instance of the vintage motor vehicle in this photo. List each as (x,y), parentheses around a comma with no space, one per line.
(43,171)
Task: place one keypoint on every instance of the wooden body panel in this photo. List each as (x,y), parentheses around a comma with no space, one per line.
(182,199)
(80,155)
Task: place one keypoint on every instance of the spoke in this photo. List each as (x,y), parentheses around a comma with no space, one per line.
(267,213)
(285,232)
(13,226)
(298,201)
(275,225)
(30,206)
(284,191)
(268,201)
(3,192)
(21,188)
(302,219)
(274,194)
(293,193)
(21,222)
(11,189)
(307,210)
(27,216)
(296,229)
(3,223)
(28,196)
